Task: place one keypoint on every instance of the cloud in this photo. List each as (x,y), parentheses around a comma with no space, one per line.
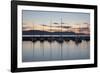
(77,28)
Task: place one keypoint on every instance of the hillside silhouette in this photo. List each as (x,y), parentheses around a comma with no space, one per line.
(38,32)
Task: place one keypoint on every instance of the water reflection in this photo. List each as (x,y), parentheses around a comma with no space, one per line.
(48,51)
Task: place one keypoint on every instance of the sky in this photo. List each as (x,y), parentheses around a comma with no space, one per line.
(43,20)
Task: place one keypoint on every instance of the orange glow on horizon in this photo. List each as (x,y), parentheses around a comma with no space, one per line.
(73,28)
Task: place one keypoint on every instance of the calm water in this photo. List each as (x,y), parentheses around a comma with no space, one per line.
(48,51)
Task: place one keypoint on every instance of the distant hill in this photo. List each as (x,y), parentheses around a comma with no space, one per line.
(38,32)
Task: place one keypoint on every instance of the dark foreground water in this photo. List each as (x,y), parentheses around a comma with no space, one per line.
(49,51)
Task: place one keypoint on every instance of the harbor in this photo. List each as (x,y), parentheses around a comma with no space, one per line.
(60,39)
